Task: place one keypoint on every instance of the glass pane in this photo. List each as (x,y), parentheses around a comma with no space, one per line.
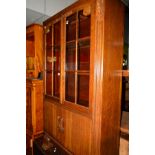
(56,59)
(49,36)
(84,55)
(70,57)
(49,58)
(49,83)
(70,87)
(84,25)
(83,90)
(56,84)
(57,29)
(71,27)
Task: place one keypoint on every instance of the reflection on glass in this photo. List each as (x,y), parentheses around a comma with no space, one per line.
(70,87)
(84,25)
(83,90)
(70,57)
(49,36)
(49,83)
(77,58)
(56,59)
(56,84)
(57,29)
(71,27)
(84,55)
(49,58)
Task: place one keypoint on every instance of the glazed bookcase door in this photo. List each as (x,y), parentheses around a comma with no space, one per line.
(90,89)
(34,51)
(52,69)
(77,58)
(30,55)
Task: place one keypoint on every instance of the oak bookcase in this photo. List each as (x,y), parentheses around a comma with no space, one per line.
(83,58)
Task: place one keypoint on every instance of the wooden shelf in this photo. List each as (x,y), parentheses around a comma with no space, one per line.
(79,40)
(71,42)
(84,38)
(78,71)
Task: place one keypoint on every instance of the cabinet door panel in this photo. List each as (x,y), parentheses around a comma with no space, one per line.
(76,135)
(54,120)
(50,121)
(81,134)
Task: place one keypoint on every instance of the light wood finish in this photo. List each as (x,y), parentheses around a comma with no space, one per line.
(34,109)
(112,62)
(34,50)
(93,130)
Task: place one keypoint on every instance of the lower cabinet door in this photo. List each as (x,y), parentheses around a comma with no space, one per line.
(72,130)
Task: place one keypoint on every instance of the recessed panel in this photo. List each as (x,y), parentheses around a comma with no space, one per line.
(48,36)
